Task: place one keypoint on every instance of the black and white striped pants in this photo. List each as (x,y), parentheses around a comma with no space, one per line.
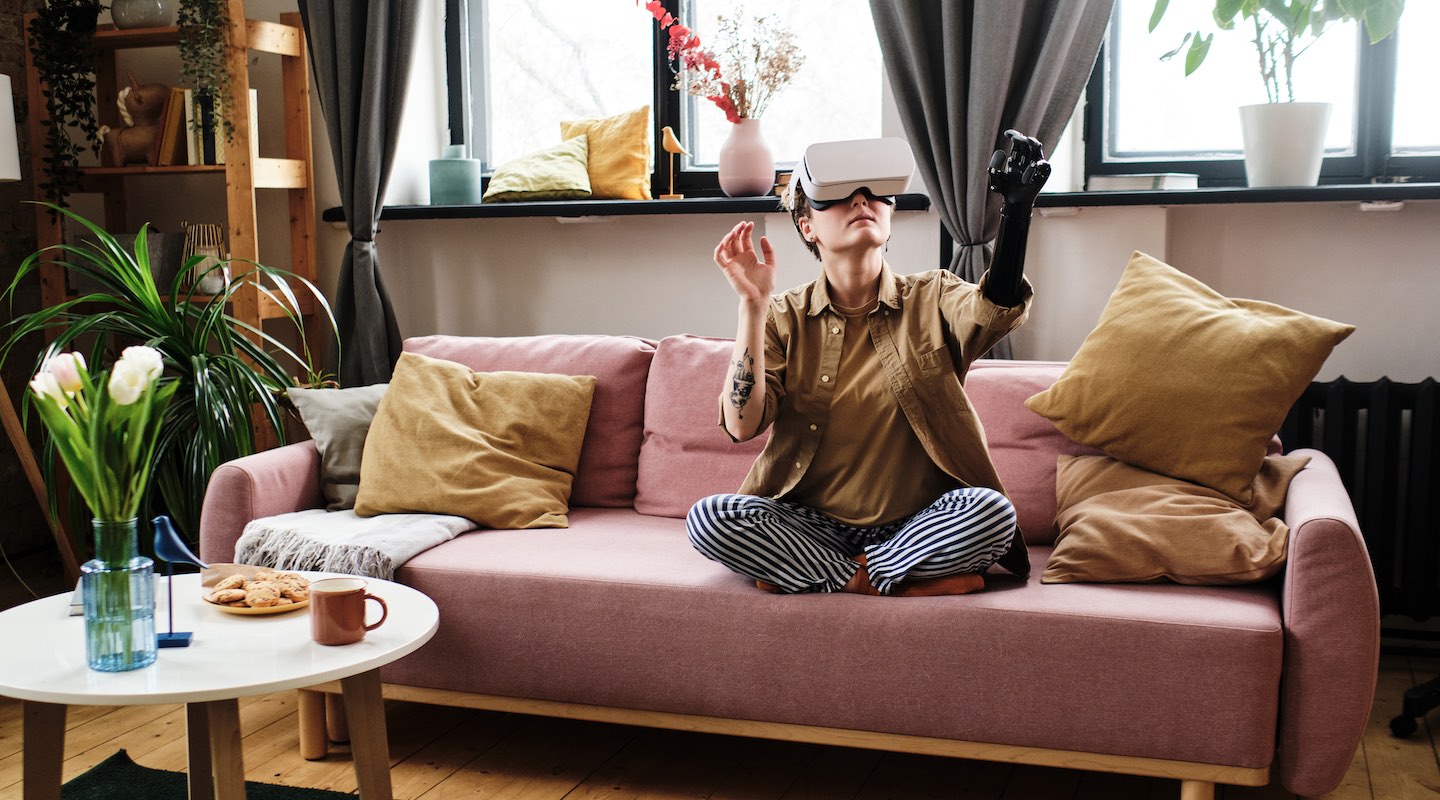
(800,549)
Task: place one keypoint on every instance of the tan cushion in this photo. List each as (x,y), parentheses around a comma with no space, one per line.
(1180,380)
(555,173)
(499,448)
(619,160)
(1119,523)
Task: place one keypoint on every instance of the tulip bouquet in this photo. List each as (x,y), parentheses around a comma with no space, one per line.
(105,426)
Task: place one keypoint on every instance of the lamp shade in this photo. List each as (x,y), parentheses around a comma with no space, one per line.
(9,147)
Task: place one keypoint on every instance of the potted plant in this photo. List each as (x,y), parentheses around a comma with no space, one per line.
(202,55)
(228,373)
(60,47)
(1284,140)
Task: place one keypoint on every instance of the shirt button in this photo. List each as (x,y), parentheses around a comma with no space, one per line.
(834,328)
(797,465)
(824,378)
(814,427)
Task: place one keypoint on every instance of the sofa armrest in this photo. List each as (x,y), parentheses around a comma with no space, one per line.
(273,482)
(1332,633)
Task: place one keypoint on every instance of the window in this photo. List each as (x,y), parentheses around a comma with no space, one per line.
(519,67)
(1145,115)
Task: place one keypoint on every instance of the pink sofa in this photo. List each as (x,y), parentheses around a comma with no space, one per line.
(618,619)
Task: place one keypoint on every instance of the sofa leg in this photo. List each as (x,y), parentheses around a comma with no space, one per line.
(336,725)
(1197,790)
(313,744)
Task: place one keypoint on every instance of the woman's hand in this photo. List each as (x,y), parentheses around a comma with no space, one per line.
(752,278)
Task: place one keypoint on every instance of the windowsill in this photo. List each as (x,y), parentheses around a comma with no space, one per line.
(1365,193)
(602,208)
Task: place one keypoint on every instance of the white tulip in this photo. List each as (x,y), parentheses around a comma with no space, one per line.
(45,384)
(128,380)
(147,358)
(66,369)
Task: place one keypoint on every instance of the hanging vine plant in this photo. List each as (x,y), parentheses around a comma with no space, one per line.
(61,35)
(203,24)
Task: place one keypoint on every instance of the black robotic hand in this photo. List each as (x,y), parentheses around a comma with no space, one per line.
(1019,176)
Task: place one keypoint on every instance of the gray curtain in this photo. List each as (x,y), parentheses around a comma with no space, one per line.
(361,54)
(965,70)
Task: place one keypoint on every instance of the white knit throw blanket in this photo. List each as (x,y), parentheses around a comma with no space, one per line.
(341,541)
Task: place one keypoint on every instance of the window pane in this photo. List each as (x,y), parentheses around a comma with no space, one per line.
(1158,112)
(550,60)
(835,95)
(1417,122)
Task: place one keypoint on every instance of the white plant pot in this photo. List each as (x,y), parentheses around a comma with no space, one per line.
(1284,142)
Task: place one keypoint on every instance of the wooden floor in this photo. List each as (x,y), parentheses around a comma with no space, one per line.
(443,753)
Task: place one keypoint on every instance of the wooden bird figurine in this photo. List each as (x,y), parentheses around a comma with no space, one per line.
(672,146)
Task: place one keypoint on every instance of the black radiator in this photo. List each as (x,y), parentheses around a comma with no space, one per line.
(1385,438)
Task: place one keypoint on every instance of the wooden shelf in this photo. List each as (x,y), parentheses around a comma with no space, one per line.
(174,169)
(108,37)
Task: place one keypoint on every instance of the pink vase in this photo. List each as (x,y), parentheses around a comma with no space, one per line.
(747,167)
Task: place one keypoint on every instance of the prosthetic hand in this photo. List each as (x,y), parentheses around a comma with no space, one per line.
(1017,177)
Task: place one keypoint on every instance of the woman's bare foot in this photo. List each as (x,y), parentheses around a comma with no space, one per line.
(964,583)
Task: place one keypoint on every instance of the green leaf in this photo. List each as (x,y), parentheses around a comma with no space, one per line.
(1199,48)
(1157,13)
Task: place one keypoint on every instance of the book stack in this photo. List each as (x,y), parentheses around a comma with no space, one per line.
(191,134)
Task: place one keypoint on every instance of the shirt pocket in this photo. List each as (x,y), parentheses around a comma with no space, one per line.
(939,384)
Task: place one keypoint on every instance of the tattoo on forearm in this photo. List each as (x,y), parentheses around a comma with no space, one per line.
(743,382)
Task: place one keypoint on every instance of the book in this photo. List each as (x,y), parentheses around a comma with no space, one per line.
(172,132)
(192,150)
(205,128)
(1142,181)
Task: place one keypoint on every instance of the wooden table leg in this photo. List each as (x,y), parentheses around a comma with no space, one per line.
(227,759)
(369,746)
(44,742)
(201,772)
(311,709)
(336,726)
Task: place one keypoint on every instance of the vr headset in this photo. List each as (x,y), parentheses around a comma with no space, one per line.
(832,171)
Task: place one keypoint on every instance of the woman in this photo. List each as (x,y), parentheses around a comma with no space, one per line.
(876,479)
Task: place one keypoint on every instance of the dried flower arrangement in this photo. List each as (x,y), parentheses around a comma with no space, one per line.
(759,58)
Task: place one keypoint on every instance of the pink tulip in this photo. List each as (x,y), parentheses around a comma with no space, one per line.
(66,369)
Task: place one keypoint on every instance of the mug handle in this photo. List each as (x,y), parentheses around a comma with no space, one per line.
(384,611)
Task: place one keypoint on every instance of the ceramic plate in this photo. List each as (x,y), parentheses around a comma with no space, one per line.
(260,610)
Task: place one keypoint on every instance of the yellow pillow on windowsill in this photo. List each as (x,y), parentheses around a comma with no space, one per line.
(619,161)
(555,173)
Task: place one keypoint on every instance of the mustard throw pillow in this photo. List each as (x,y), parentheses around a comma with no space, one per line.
(499,448)
(555,173)
(1119,523)
(1181,380)
(619,153)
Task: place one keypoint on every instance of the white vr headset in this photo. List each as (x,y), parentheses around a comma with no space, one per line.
(833,171)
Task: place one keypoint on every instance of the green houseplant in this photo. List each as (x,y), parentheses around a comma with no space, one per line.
(202,55)
(228,373)
(1284,140)
(60,38)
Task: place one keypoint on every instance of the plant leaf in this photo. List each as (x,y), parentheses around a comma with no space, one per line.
(1157,13)
(1199,48)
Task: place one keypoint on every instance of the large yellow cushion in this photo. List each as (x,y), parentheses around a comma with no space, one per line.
(1119,523)
(555,173)
(499,448)
(1180,380)
(619,154)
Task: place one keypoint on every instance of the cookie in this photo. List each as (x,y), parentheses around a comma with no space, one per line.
(231,582)
(262,595)
(227,596)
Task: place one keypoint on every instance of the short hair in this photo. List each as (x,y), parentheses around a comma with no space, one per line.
(795,201)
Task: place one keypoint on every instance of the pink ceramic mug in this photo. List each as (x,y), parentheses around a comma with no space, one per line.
(337,610)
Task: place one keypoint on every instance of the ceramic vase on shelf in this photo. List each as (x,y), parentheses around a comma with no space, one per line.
(747,167)
(143,13)
(118,587)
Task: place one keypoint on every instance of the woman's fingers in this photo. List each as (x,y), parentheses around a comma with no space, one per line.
(766,251)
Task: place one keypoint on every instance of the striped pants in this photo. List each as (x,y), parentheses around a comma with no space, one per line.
(800,549)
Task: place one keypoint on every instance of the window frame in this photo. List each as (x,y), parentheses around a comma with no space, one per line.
(1372,161)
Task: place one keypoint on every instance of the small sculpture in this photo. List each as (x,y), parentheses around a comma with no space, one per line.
(672,146)
(171,549)
(142,109)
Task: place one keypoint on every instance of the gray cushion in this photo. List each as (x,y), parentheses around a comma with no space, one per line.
(338,421)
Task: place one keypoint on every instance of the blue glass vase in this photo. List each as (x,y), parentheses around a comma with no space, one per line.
(118,586)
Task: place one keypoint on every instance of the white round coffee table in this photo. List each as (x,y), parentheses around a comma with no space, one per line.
(231,656)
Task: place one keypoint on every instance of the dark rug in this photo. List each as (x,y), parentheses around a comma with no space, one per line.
(119,778)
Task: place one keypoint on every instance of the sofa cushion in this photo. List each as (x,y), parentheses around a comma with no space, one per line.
(686,455)
(1023,444)
(607,472)
(619,153)
(1123,523)
(1181,380)
(619,610)
(498,448)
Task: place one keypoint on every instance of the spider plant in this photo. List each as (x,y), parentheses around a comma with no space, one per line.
(229,373)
